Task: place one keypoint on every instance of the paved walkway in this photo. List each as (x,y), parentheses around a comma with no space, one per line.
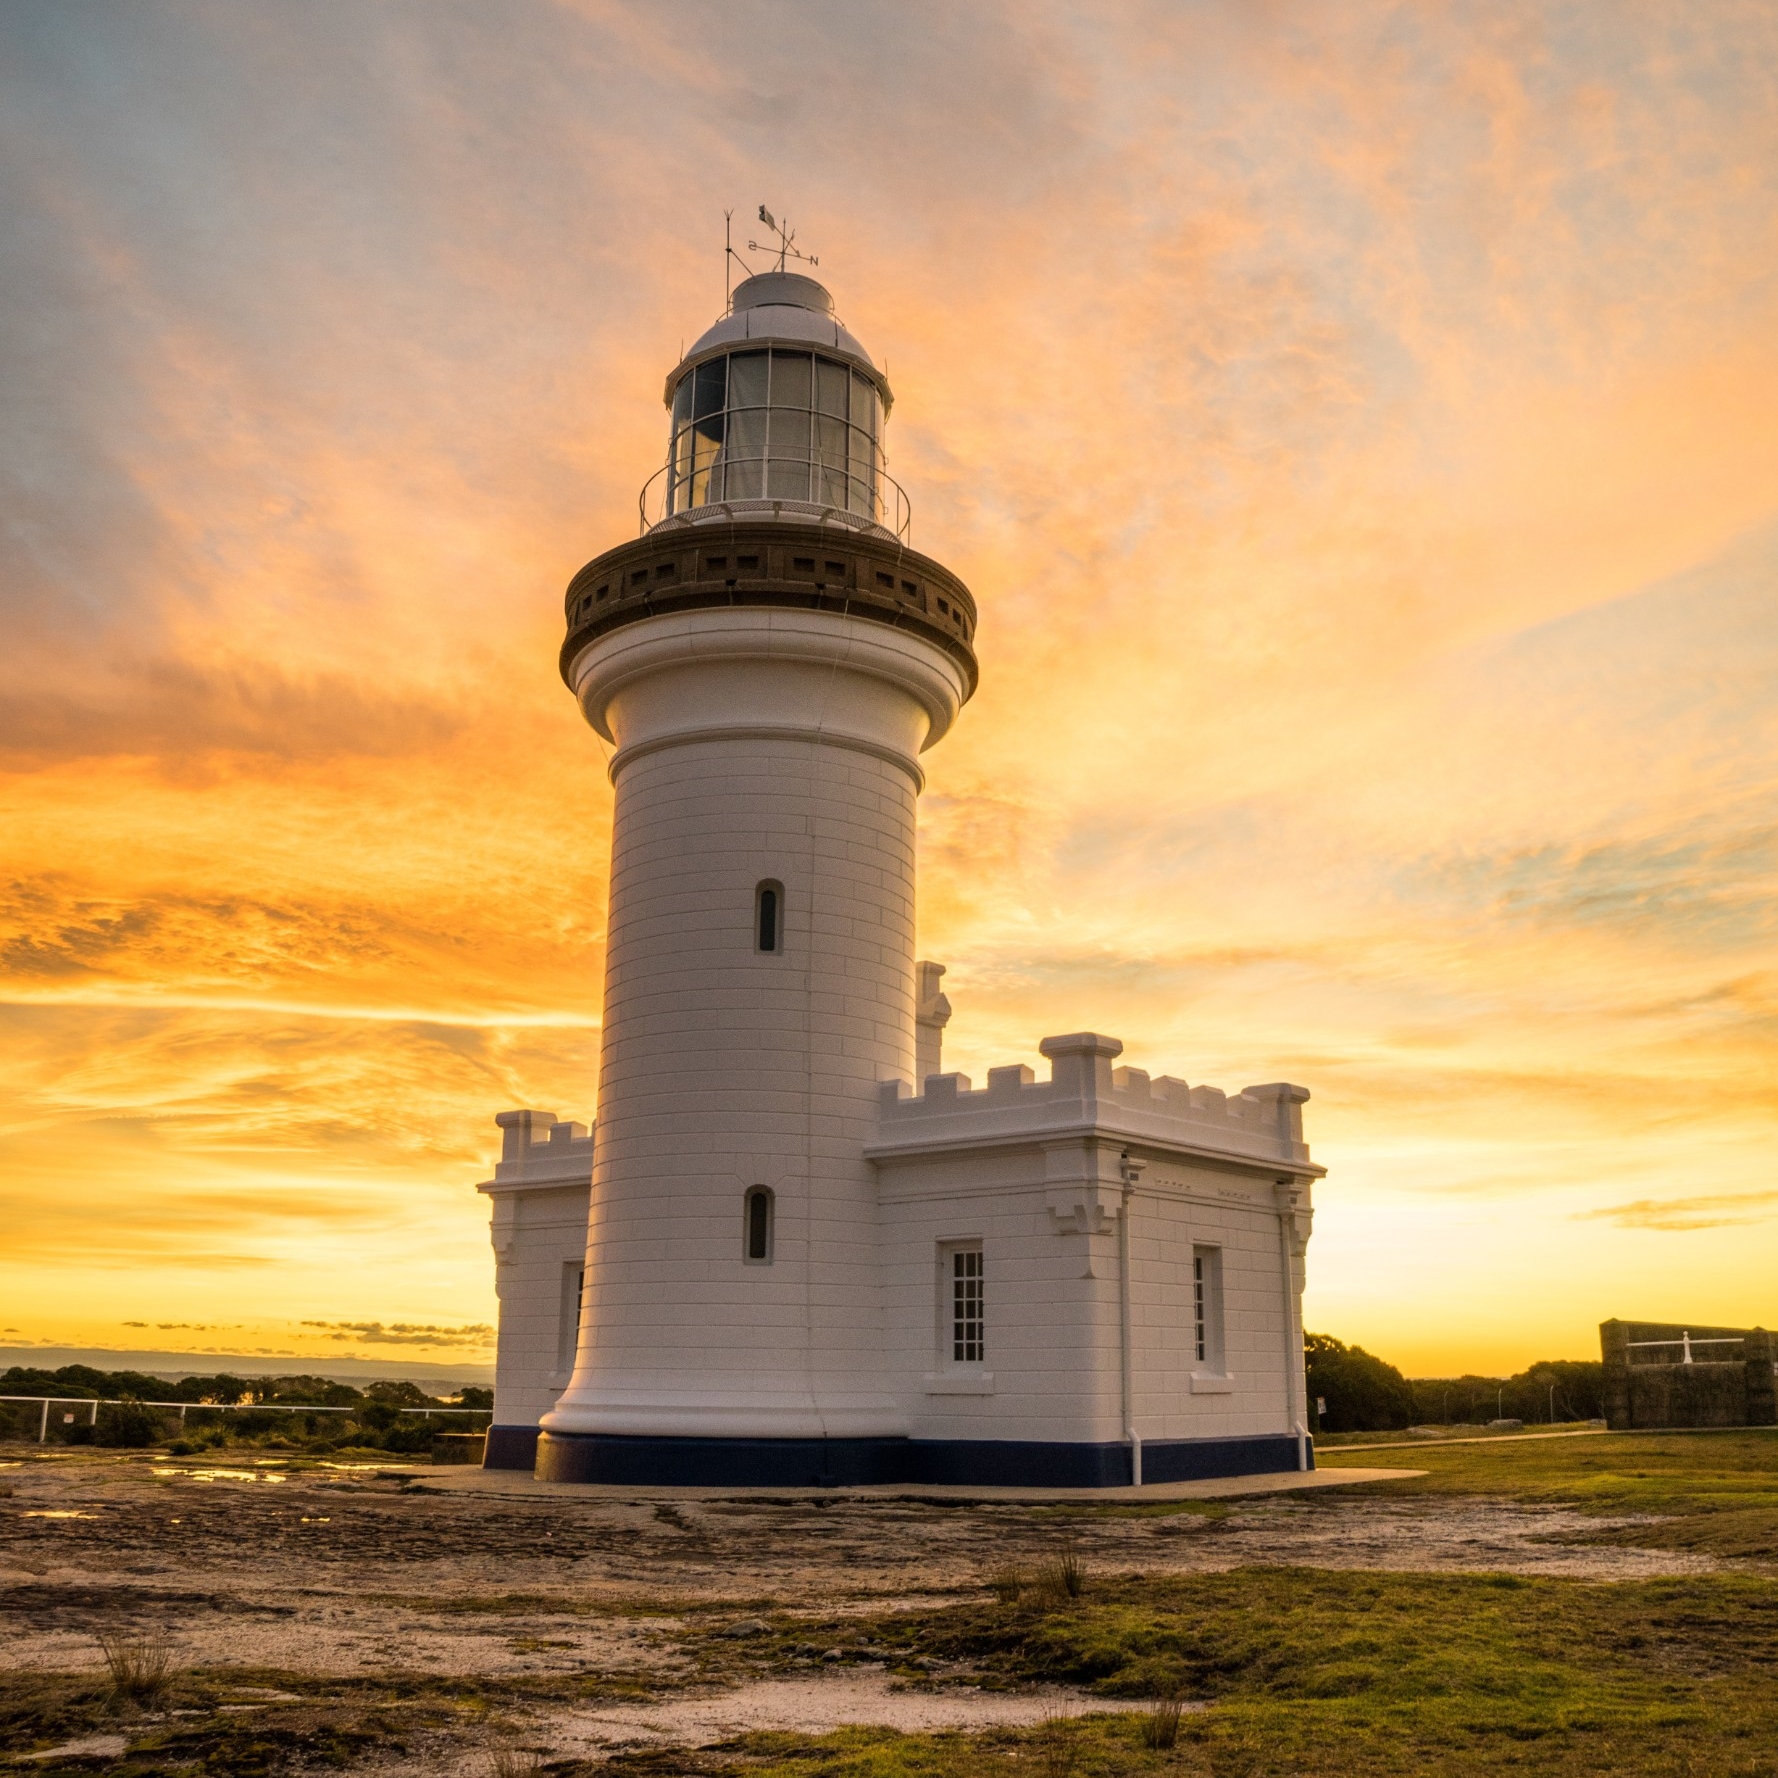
(1324,1452)
(514,1482)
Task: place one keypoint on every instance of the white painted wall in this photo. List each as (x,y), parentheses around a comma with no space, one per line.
(752,744)
(538,1232)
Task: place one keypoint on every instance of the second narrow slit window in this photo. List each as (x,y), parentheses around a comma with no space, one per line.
(768,917)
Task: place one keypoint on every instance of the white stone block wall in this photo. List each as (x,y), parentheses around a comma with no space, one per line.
(1039,1172)
(753,746)
(538,1231)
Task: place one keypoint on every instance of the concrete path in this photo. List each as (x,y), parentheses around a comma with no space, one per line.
(513,1482)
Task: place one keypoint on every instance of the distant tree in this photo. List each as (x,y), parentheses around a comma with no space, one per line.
(1558,1389)
(321,1392)
(476,1398)
(1362,1392)
(403,1395)
(1578,1385)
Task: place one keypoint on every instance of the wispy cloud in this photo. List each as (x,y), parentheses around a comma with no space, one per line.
(1721,1211)
(403,1333)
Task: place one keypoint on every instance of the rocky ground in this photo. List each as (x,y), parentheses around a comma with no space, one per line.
(583,1624)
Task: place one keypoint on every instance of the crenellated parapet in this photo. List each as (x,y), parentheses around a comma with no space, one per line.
(538,1148)
(1085,1091)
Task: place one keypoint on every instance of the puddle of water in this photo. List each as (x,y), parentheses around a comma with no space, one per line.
(46,1513)
(221,1475)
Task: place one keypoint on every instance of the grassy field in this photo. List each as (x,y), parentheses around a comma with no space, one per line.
(1717,1492)
(1345,1675)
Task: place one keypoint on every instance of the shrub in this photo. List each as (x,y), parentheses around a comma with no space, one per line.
(376,1415)
(1062,1576)
(138,1667)
(1363,1394)
(1007,1584)
(1160,1723)
(408,1438)
(128,1425)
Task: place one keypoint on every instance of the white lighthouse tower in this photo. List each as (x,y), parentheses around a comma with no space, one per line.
(769,661)
(804,1255)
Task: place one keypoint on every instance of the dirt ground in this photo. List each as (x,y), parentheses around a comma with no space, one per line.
(289,1566)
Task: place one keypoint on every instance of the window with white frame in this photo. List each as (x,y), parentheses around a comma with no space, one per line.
(568,1324)
(967,1333)
(1207,1343)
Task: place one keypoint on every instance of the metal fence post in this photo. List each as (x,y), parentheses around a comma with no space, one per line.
(43,1430)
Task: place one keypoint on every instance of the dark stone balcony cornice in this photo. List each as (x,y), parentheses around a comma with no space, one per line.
(799,567)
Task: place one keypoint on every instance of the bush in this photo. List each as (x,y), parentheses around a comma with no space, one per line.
(378,1416)
(127,1425)
(1363,1394)
(408,1438)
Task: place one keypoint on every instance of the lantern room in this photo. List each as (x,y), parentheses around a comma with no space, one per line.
(779,404)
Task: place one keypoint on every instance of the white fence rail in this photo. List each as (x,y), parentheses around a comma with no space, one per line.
(209,1407)
(1685,1343)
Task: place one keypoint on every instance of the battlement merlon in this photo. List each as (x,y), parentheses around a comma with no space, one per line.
(1260,1125)
(539,1152)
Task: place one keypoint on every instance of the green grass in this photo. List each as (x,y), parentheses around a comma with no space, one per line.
(1332,1673)
(1717,1490)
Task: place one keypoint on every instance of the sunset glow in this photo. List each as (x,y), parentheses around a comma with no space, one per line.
(1358,426)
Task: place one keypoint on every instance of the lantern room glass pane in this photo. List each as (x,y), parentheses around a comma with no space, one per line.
(682,401)
(830,440)
(712,380)
(790,379)
(867,406)
(747,433)
(744,453)
(706,446)
(747,379)
(790,433)
(830,387)
(786,480)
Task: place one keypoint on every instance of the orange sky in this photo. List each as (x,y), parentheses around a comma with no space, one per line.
(1358,424)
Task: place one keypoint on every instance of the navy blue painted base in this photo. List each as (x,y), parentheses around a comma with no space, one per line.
(511,1447)
(866,1462)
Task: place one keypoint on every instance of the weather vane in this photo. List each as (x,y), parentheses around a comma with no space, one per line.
(785,249)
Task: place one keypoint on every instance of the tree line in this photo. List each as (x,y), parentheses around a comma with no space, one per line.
(382,1415)
(1364,1393)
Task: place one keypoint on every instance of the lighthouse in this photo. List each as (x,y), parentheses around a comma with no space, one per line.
(791,1250)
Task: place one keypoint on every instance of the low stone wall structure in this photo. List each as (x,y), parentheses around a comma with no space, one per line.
(1663,1373)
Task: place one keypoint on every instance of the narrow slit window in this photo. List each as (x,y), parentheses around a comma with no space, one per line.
(1207,1334)
(968,1321)
(768,917)
(757,1227)
(568,1323)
